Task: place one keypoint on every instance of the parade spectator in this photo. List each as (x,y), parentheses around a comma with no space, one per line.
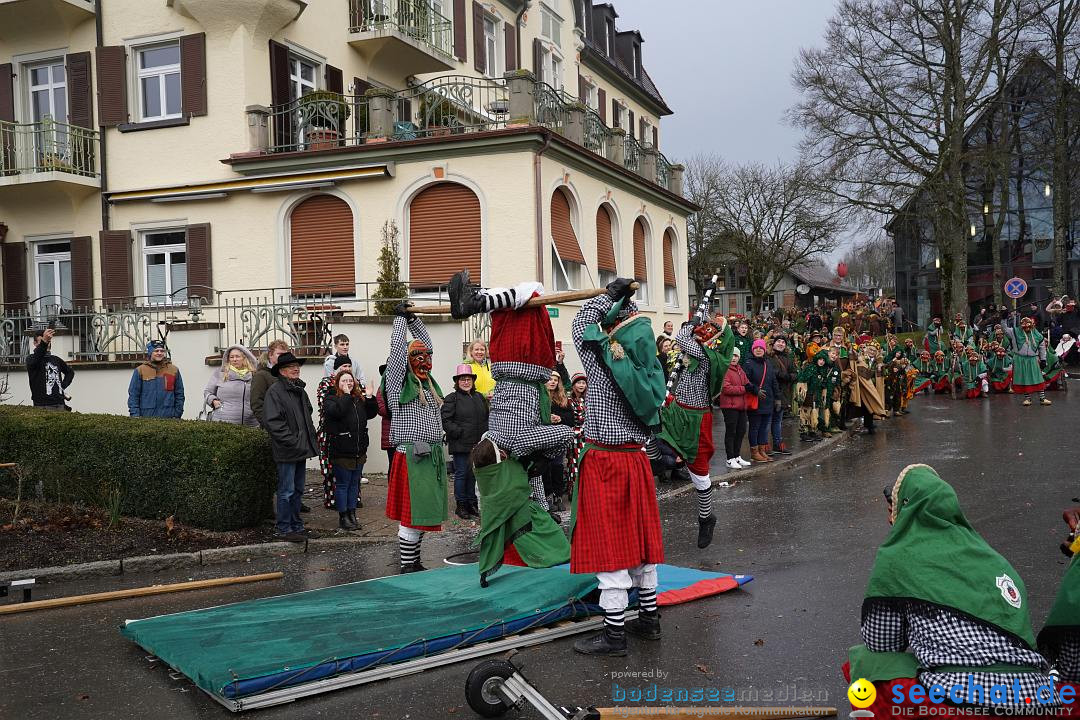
(732,402)
(384,413)
(465,420)
(341,349)
(669,330)
(785,377)
(348,409)
(663,353)
(263,378)
(156,388)
(579,387)
(228,391)
(49,376)
(478,360)
(326,386)
(761,375)
(287,417)
(562,413)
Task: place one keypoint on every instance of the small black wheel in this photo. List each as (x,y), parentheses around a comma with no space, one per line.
(481,684)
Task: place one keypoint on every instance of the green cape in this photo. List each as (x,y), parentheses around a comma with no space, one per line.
(719,359)
(681,429)
(427,485)
(629,352)
(410,389)
(933,554)
(1065,614)
(510,517)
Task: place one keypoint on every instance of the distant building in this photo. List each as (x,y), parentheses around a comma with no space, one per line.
(821,285)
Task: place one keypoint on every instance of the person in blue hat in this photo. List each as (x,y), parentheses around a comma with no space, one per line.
(156,388)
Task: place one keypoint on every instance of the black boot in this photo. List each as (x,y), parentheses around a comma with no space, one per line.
(608,642)
(705,530)
(464,297)
(412,567)
(474,509)
(462,510)
(646,625)
(343,521)
(680,474)
(353,521)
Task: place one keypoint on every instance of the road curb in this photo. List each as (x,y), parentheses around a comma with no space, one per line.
(762,469)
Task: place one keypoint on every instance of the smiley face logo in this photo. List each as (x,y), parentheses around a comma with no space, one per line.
(862,693)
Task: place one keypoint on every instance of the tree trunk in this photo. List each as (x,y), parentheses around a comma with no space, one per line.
(1061,154)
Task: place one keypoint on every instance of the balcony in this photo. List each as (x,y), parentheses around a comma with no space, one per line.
(20,17)
(451,107)
(401,37)
(48,154)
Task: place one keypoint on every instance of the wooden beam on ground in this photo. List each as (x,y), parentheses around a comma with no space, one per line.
(541,300)
(729,713)
(135,592)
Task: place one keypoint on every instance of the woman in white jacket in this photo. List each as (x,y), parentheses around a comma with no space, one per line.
(229,389)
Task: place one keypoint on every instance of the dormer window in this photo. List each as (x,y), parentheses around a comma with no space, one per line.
(609,37)
(637,61)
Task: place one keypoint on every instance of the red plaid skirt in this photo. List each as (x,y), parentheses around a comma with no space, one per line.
(398,506)
(618,521)
(705,448)
(522,336)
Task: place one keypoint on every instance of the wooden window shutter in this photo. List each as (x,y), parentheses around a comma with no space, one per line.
(112,85)
(669,259)
(200,276)
(510,41)
(460,39)
(605,244)
(7,92)
(601,104)
(279,93)
(562,229)
(641,131)
(614,113)
(641,268)
(335,81)
(359,111)
(630,130)
(117,282)
(14,258)
(193,75)
(438,213)
(538,59)
(80,90)
(656,137)
(583,96)
(82,273)
(479,50)
(321,247)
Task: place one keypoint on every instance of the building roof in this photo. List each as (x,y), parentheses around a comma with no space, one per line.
(822,279)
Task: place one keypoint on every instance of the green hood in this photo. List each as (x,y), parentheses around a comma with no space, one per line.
(719,357)
(933,554)
(1065,614)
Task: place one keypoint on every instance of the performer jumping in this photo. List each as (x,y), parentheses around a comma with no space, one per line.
(616,532)
(416,496)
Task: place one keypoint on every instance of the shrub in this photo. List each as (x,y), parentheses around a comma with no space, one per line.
(209,475)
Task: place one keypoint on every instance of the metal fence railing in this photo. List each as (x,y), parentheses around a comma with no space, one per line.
(453,104)
(47,146)
(632,158)
(318,121)
(415,18)
(551,109)
(663,171)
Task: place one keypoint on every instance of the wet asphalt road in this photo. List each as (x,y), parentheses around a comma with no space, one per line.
(807,535)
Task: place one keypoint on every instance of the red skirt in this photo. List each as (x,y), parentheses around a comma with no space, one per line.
(618,521)
(512,557)
(1002,385)
(972,393)
(398,506)
(705,448)
(921,386)
(942,385)
(523,335)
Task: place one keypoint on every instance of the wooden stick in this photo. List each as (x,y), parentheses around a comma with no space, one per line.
(730,713)
(550,299)
(134,592)
(7,465)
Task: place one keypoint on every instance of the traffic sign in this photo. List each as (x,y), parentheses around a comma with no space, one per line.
(1016,287)
(553,311)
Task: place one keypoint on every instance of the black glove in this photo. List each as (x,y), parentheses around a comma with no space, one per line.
(620,288)
(402,310)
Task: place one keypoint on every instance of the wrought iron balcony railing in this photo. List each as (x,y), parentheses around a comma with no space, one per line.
(47,146)
(413,18)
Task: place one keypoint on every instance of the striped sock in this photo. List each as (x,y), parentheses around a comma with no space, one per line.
(409,550)
(614,620)
(498,300)
(704,503)
(1042,395)
(537,493)
(647,600)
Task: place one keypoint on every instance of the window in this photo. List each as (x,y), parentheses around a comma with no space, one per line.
(551,68)
(165,266)
(491,46)
(671,296)
(159,81)
(52,269)
(591,97)
(609,37)
(637,61)
(301,77)
(567,274)
(48,92)
(550,22)
(768,302)
(620,119)
(646,132)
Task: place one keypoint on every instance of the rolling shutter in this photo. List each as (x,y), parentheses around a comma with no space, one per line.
(601,104)
(14,258)
(605,244)
(510,41)
(112,85)
(117,283)
(641,269)
(562,229)
(460,40)
(82,273)
(200,277)
(444,235)
(80,99)
(669,259)
(193,74)
(479,51)
(321,247)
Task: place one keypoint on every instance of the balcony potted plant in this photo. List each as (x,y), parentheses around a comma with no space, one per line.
(322,116)
(437,115)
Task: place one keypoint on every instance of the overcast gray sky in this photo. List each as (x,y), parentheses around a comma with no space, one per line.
(724,67)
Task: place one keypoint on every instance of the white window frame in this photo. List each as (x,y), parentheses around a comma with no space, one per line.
(54,258)
(566,274)
(592,96)
(51,86)
(636,59)
(160,72)
(296,78)
(552,66)
(550,16)
(646,138)
(624,116)
(167,250)
(493,46)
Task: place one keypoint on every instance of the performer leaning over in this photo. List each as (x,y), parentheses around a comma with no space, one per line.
(416,496)
(617,532)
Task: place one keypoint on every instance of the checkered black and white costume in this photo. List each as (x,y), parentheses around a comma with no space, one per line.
(938,636)
(1067,662)
(693,388)
(513,421)
(415,421)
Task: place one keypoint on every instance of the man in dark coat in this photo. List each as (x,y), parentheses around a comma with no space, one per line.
(287,415)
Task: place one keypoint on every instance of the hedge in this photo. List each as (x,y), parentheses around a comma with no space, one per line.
(209,475)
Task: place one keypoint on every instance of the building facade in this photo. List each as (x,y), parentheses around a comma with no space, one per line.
(234,168)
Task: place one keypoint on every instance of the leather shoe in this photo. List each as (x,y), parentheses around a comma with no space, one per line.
(645,625)
(607,642)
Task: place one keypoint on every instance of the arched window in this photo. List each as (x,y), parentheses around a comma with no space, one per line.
(444,235)
(605,246)
(321,247)
(641,267)
(671,292)
(567,260)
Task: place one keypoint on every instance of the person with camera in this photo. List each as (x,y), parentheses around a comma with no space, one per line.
(347,409)
(49,375)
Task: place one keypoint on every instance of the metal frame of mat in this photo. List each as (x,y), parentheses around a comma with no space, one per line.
(539,636)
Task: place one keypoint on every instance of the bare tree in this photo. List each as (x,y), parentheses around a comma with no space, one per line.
(702,186)
(870,264)
(887,103)
(772,219)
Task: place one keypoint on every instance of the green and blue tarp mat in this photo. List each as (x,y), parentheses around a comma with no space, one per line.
(247,648)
